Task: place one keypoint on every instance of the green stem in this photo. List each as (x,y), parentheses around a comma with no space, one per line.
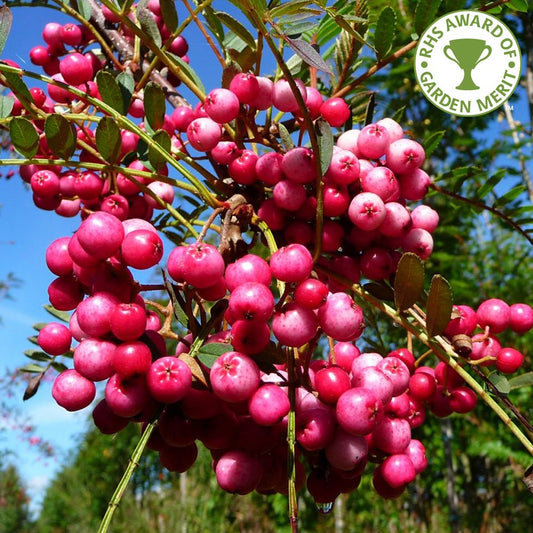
(121,487)
(291,442)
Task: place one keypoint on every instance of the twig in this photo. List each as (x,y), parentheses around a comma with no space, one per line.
(481,205)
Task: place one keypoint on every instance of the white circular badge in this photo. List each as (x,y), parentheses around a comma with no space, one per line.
(468,63)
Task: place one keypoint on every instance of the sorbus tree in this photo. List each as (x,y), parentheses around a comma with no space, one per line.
(281,215)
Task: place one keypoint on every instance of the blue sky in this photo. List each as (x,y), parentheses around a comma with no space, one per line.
(25,233)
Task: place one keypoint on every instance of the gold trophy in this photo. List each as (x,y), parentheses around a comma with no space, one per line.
(467,53)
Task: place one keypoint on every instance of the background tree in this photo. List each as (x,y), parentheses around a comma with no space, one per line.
(14,503)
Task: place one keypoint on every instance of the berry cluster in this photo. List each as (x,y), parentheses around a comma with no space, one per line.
(492,317)
(266,312)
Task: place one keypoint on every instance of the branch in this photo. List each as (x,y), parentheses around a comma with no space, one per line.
(481,205)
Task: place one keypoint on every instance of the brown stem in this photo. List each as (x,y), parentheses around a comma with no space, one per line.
(481,205)
(204,32)
(373,69)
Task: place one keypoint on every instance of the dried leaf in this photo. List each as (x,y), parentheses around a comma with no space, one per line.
(439,306)
(408,281)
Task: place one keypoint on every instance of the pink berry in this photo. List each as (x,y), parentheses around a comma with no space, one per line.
(404,156)
(283,98)
(72,391)
(359,411)
(234,377)
(509,360)
(335,111)
(245,86)
(204,134)
(101,234)
(54,338)
(494,313)
(238,471)
(367,211)
(398,470)
(381,181)
(93,359)
(251,301)
(169,379)
(268,405)
(294,325)
(76,69)
(373,141)
(340,318)
(292,263)
(222,105)
(201,264)
(331,382)
(248,268)
(520,318)
(142,249)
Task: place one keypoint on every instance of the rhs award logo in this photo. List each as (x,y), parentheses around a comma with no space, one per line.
(468,63)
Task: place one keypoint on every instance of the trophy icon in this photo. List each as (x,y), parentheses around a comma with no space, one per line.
(467,53)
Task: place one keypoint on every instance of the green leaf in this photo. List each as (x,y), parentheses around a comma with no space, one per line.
(308,54)
(214,24)
(60,315)
(154,105)
(60,136)
(149,26)
(286,138)
(518,5)
(189,72)
(489,185)
(379,290)
(432,141)
(24,136)
(439,306)
(500,382)
(169,14)
(385,32)
(237,28)
(110,91)
(295,29)
(38,355)
(510,196)
(296,7)
(347,27)
(20,89)
(108,139)
(158,161)
(325,140)
(6,18)
(84,9)
(524,380)
(215,348)
(32,368)
(408,281)
(6,105)
(59,367)
(425,12)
